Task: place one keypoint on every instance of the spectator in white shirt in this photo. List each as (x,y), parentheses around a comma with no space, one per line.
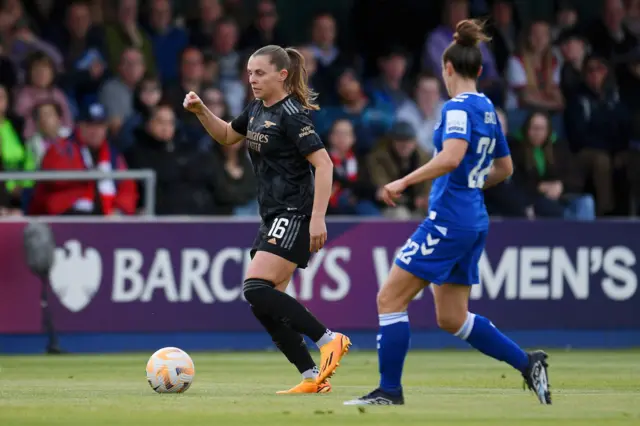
(423,113)
(533,74)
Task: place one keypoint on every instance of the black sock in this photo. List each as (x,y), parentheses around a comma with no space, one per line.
(290,342)
(263,296)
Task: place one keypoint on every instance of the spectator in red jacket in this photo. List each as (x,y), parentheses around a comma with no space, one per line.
(87,148)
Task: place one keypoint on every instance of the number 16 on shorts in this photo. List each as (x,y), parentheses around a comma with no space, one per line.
(278,227)
(286,230)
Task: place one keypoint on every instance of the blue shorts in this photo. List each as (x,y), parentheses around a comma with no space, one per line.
(440,255)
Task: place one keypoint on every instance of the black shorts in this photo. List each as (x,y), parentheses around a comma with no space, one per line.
(286,236)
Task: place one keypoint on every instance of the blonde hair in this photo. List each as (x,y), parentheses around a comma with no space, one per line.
(535,81)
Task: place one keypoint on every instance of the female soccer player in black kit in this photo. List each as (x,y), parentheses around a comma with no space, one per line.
(283,145)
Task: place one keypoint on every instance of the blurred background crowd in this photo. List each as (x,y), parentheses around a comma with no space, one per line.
(92,84)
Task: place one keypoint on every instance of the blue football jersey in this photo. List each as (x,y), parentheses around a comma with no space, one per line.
(456,198)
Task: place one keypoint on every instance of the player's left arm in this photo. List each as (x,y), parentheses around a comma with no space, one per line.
(456,139)
(500,170)
(323,181)
(502,166)
(301,130)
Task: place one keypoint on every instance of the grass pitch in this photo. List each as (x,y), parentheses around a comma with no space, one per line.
(441,388)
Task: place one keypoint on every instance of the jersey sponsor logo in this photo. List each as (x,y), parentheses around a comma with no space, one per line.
(257,136)
(456,122)
(268,123)
(256,139)
(306,131)
(255,146)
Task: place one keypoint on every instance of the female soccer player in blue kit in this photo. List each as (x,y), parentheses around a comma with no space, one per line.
(471,154)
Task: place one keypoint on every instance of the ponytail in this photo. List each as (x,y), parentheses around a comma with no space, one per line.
(470,33)
(297,81)
(464,52)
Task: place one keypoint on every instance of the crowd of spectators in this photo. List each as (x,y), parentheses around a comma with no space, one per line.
(86,84)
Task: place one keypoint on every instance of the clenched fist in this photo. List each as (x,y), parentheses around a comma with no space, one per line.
(193,103)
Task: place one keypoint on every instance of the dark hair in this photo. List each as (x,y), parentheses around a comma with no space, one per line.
(39,57)
(227,20)
(609,85)
(322,14)
(138,105)
(74,3)
(547,146)
(595,58)
(464,52)
(128,49)
(8,95)
(190,48)
(119,3)
(422,76)
(297,80)
(153,111)
(149,6)
(328,140)
(425,75)
(47,102)
(224,102)
(338,121)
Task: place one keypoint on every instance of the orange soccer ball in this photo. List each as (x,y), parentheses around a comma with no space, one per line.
(170,370)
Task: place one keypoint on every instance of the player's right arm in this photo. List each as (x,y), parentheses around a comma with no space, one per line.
(456,139)
(221,131)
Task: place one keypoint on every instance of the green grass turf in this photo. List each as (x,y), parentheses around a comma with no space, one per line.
(441,388)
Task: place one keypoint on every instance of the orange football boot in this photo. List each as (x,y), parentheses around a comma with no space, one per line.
(331,354)
(308,386)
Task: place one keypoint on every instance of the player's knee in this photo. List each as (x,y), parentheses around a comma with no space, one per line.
(253,288)
(450,322)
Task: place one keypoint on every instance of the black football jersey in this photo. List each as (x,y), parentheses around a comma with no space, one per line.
(280,137)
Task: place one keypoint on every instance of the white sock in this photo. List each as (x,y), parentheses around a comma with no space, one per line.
(311,373)
(327,337)
(393,318)
(467,327)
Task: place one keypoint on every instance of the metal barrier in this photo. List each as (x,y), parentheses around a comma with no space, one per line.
(146,175)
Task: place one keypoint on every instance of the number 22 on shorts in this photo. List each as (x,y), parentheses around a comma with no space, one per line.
(406,253)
